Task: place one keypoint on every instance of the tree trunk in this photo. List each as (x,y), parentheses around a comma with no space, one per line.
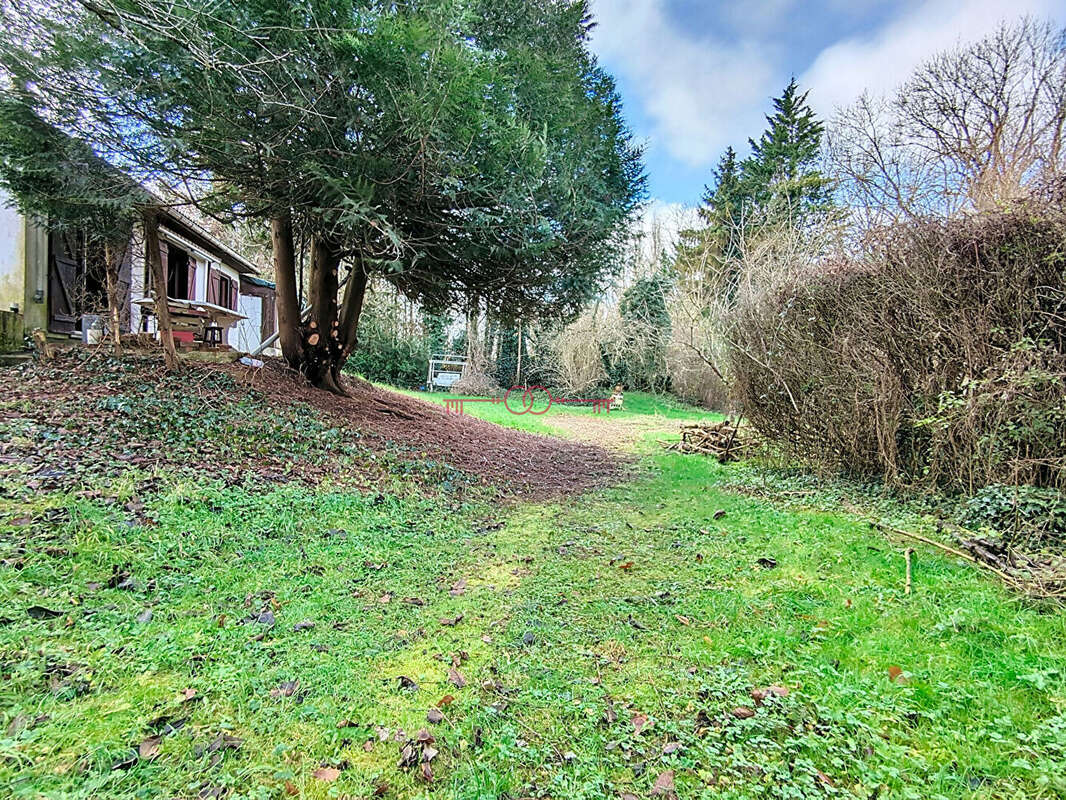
(321,334)
(286,299)
(518,369)
(354,295)
(159,289)
(112,259)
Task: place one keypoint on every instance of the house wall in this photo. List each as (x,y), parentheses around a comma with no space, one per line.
(23,266)
(138,289)
(12,259)
(245,335)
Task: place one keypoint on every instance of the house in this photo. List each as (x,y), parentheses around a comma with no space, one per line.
(55,278)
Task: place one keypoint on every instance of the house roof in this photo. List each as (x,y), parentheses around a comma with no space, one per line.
(255,280)
(183,225)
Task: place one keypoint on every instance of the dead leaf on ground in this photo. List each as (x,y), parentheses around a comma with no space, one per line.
(287,689)
(683,619)
(664,784)
(451,621)
(385,598)
(414,601)
(718,514)
(895,674)
(456,677)
(743,712)
(447,700)
(671,747)
(626,566)
(149,748)
(640,723)
(303,625)
(434,716)
(761,693)
(427,772)
(326,774)
(458,588)
(407,683)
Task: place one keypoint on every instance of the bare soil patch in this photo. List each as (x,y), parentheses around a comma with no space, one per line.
(612,431)
(513,461)
(86,411)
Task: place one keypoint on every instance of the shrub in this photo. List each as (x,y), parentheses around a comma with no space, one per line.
(937,359)
(1023,514)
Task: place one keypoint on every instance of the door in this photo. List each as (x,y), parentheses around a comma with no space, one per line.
(63,271)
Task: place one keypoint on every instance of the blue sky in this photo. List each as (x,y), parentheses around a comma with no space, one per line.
(699,75)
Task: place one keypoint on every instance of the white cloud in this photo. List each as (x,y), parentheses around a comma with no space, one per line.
(697,93)
(882,60)
(701,94)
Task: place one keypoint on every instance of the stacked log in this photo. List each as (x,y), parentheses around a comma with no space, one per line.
(725,440)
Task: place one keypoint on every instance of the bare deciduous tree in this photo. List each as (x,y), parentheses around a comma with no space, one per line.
(973,127)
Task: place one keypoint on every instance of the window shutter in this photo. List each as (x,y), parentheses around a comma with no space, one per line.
(212,286)
(192,280)
(233,295)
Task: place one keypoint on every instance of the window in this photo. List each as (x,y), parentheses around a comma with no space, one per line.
(181,274)
(225,292)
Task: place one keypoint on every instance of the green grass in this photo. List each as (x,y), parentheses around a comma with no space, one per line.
(637,404)
(578,616)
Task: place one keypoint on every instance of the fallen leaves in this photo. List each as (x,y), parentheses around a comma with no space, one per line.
(640,723)
(326,774)
(434,716)
(149,748)
(664,785)
(743,712)
(760,694)
(451,622)
(456,678)
(895,674)
(419,752)
(286,689)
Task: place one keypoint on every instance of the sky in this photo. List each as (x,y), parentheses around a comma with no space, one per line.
(699,75)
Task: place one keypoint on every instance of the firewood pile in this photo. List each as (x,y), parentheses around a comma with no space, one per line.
(726,440)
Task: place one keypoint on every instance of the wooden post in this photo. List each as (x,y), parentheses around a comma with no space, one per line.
(159,288)
(112,257)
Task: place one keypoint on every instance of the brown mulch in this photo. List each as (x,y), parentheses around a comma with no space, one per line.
(85,414)
(513,461)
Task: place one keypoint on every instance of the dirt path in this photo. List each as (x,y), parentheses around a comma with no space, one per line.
(615,432)
(514,461)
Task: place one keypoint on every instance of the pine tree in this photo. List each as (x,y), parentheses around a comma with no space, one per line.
(781,174)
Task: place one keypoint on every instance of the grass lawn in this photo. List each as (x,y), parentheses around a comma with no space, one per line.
(637,404)
(170,635)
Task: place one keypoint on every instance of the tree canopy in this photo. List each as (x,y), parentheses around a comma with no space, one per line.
(456,146)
